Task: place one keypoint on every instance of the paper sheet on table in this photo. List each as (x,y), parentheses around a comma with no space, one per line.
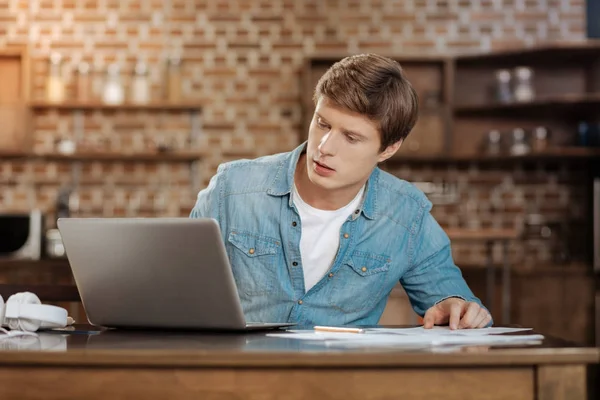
(411,342)
(414,337)
(445,330)
(393,339)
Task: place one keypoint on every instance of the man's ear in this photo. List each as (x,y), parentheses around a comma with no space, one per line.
(390,150)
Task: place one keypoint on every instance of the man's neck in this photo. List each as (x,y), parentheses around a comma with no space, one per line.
(320,198)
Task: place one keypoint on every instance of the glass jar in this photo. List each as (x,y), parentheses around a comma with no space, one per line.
(113,89)
(140,88)
(503,89)
(84,82)
(519,144)
(524,84)
(55,87)
(541,137)
(493,143)
(174,79)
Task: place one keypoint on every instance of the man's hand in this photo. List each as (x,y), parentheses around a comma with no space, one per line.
(460,314)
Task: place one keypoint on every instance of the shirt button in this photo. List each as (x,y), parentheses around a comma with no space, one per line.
(356,212)
(251,251)
(331,275)
(364,269)
(295,264)
(300,302)
(294,223)
(346,236)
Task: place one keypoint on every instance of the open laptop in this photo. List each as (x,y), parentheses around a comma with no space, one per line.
(169,273)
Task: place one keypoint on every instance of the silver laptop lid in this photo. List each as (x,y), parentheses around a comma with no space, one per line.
(152,272)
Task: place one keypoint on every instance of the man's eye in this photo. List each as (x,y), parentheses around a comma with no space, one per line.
(351,139)
(321,124)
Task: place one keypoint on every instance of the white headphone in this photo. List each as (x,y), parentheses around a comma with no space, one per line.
(25,312)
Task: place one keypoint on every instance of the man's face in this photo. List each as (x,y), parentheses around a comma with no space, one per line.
(343,148)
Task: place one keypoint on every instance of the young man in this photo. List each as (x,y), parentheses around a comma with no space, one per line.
(321,235)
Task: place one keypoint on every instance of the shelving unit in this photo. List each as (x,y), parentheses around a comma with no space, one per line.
(78,108)
(566,82)
(457,108)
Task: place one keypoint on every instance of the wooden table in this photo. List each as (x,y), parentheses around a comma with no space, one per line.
(172,365)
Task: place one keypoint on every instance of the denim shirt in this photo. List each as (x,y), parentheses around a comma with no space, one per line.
(390,238)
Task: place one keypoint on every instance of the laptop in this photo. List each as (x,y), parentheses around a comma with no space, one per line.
(144,273)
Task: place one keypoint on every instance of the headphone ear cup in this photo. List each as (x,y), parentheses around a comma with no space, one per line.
(21,324)
(1,312)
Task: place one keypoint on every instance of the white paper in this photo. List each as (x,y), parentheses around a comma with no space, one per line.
(445,330)
(414,337)
(382,337)
(408,341)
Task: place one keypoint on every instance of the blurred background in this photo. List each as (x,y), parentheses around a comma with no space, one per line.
(126,108)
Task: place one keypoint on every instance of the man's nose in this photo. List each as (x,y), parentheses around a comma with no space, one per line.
(328,144)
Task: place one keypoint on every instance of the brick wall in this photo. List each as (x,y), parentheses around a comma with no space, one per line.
(242,59)
(514,197)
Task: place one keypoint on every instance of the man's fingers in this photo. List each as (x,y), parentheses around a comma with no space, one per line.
(468,319)
(428,319)
(455,310)
(485,321)
(481,315)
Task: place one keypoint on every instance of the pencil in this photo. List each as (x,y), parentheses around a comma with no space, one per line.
(338,329)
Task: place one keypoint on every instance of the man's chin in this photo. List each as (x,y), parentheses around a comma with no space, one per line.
(321,181)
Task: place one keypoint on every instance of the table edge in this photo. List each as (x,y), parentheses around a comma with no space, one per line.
(225,359)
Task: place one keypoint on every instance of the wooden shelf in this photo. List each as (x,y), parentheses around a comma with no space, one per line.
(557,154)
(331,57)
(549,104)
(178,156)
(539,54)
(13,154)
(96,105)
(98,156)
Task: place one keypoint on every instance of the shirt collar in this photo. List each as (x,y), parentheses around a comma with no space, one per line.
(283,183)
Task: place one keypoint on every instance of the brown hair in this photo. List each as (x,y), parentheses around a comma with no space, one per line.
(374,86)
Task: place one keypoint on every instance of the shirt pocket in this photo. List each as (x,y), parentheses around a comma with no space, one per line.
(253,260)
(360,282)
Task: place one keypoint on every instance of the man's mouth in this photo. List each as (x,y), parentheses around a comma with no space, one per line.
(323,165)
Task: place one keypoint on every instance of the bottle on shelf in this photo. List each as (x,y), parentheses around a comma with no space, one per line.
(493,142)
(519,144)
(173,89)
(583,134)
(113,89)
(524,91)
(503,86)
(541,137)
(140,89)
(84,82)
(55,86)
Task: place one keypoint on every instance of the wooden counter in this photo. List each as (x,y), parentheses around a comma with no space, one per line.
(161,365)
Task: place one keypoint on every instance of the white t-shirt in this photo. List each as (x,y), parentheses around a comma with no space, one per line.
(320,236)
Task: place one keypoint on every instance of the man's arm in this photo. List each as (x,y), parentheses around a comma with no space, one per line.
(208,201)
(433,281)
